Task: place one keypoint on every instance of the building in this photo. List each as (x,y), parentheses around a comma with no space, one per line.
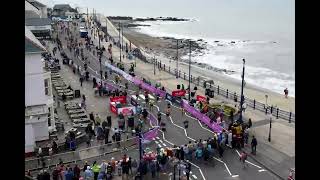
(40,27)
(59,10)
(39,104)
(37,7)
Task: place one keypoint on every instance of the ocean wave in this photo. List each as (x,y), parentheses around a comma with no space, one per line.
(220,53)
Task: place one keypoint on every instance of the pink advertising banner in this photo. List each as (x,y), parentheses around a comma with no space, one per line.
(203,118)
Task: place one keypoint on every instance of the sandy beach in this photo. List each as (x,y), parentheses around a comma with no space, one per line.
(159,51)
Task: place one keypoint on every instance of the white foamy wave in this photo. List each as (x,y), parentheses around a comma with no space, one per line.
(224,54)
(257,76)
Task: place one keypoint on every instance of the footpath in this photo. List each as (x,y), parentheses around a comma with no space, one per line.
(278,156)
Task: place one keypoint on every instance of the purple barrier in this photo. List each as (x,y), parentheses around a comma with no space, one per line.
(110,86)
(149,136)
(137,81)
(203,118)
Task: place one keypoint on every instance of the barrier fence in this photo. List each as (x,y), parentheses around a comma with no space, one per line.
(73,156)
(199,81)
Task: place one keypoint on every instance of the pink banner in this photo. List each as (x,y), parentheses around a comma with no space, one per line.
(202,117)
(149,136)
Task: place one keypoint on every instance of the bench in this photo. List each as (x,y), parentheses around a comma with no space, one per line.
(80,115)
(75,111)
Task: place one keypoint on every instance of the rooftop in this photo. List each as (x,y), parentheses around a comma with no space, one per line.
(61,6)
(32,44)
(37,21)
(31,14)
(36,3)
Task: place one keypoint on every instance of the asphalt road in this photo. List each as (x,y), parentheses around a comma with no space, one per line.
(228,167)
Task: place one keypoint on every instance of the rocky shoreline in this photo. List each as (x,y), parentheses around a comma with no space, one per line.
(165,46)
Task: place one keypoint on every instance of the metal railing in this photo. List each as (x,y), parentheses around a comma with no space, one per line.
(94,151)
(199,81)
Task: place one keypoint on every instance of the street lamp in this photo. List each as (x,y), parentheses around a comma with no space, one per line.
(189,70)
(119,40)
(154,65)
(242,97)
(270,117)
(266,104)
(140,153)
(177,72)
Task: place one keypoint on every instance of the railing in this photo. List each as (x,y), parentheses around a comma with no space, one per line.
(74,156)
(199,81)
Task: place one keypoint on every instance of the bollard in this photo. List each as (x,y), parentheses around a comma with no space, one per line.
(290,117)
(179,73)
(184,75)
(271,109)
(191,77)
(277,113)
(266,110)
(227,93)
(254,104)
(164,67)
(218,90)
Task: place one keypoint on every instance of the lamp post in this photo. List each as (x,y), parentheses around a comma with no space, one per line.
(140,153)
(270,117)
(122,36)
(177,72)
(119,40)
(154,65)
(189,70)
(242,97)
(100,54)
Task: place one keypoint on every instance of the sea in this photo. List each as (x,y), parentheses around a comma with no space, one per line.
(263,33)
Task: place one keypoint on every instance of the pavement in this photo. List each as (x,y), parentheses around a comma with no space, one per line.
(227,167)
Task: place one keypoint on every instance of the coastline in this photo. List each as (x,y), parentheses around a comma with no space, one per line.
(254,92)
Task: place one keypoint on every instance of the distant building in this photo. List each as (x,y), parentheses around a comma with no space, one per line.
(40,27)
(59,10)
(39,109)
(37,7)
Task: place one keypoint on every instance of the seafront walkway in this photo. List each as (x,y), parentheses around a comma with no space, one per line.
(278,155)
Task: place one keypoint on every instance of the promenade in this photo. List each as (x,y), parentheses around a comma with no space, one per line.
(270,158)
(279,153)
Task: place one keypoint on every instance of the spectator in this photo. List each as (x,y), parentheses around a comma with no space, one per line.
(69,174)
(88,173)
(76,172)
(286,92)
(254,144)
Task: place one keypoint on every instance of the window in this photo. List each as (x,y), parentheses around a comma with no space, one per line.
(49,117)
(46,87)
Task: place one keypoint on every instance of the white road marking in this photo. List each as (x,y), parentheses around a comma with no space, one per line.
(134,97)
(235,176)
(159,145)
(198,168)
(161,141)
(194,176)
(261,170)
(151,97)
(163,144)
(249,161)
(157,142)
(157,138)
(142,96)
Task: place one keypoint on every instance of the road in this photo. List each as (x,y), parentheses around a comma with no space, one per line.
(228,167)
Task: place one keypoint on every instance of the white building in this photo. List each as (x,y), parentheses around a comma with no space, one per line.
(39,104)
